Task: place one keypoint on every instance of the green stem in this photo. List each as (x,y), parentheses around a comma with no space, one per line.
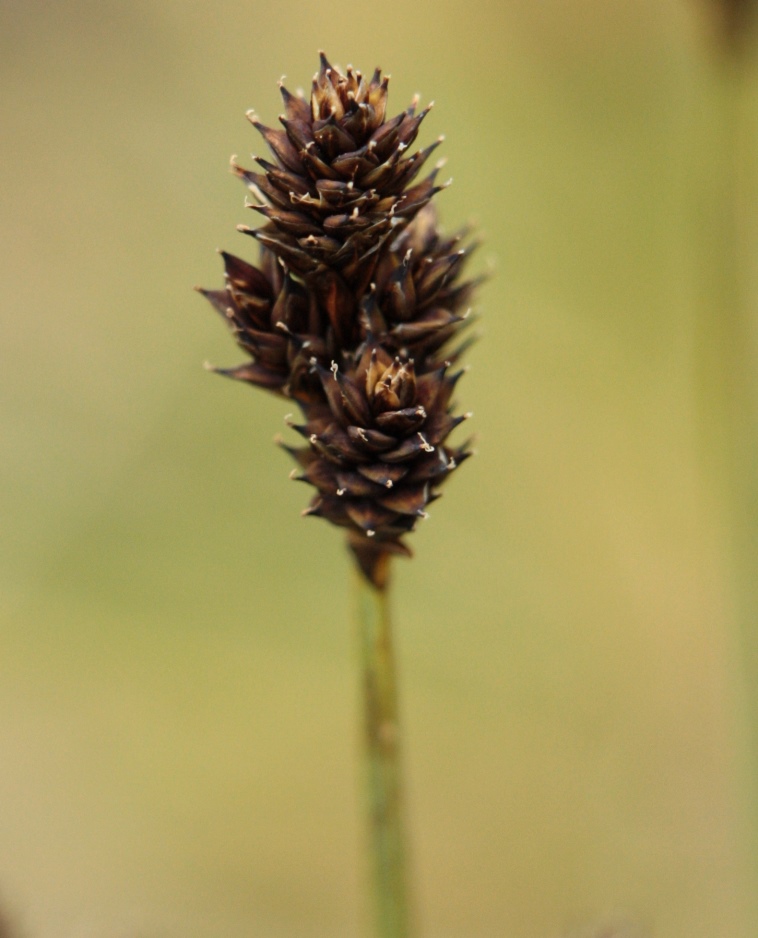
(381,754)
(728,357)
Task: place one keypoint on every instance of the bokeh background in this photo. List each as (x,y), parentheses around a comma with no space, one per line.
(178,699)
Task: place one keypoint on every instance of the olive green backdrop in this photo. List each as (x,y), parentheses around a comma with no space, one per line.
(178,703)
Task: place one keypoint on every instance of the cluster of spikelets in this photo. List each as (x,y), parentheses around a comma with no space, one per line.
(354,308)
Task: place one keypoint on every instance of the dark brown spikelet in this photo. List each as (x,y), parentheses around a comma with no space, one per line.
(377,447)
(356,308)
(266,309)
(342,180)
(417,302)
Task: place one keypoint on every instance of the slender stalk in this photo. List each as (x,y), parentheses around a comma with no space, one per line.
(728,357)
(738,102)
(739,328)
(382,768)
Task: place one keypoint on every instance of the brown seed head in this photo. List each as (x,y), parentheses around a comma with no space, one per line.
(353,307)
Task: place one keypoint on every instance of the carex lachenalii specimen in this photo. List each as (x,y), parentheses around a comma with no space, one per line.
(354,307)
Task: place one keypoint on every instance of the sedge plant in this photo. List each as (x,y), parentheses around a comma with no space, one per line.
(355,313)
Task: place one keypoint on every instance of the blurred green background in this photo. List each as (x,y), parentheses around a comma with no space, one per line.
(178,699)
